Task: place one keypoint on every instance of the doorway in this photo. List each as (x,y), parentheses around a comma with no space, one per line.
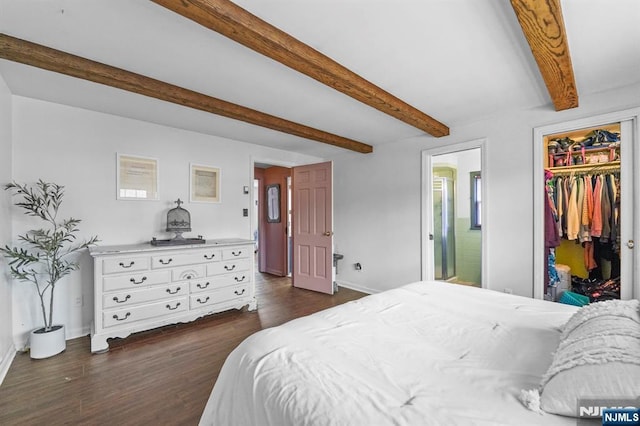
(301,225)
(272,218)
(452,230)
(587,162)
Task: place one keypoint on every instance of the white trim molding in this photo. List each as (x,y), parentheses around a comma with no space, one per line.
(7,359)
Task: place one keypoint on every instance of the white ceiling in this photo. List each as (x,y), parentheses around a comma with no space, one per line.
(456,60)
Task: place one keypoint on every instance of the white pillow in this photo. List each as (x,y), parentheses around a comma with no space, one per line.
(598,358)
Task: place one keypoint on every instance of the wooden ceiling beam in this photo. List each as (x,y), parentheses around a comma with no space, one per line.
(236,23)
(543,27)
(36,55)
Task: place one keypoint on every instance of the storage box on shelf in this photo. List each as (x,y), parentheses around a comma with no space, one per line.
(585,157)
(140,287)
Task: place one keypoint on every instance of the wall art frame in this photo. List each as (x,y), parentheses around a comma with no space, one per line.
(205,184)
(137,178)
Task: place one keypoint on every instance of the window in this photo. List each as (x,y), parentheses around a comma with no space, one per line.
(476,199)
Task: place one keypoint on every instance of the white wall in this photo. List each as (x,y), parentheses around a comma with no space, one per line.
(6,341)
(377,198)
(77,148)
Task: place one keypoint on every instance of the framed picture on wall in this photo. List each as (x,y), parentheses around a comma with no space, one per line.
(205,184)
(136,178)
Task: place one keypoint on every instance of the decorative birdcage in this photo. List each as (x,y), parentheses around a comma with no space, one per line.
(178,221)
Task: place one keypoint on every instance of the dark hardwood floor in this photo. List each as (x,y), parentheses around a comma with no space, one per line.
(158,377)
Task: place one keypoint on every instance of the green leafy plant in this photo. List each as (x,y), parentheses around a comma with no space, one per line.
(45,256)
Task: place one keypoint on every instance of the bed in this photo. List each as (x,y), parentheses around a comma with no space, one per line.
(427,353)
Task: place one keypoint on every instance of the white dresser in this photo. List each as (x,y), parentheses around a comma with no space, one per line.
(140,287)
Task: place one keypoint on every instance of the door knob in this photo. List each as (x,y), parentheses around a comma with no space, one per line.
(328,234)
(630,244)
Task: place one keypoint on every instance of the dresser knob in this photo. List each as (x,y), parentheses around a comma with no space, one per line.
(240,293)
(173,292)
(203,301)
(165,262)
(239,279)
(127,266)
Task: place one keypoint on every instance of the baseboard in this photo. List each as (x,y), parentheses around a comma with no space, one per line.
(77,332)
(7,359)
(21,343)
(357,287)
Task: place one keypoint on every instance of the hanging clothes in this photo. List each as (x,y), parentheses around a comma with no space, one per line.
(606,211)
(596,223)
(587,210)
(551,238)
(585,195)
(589,257)
(573,218)
(558,193)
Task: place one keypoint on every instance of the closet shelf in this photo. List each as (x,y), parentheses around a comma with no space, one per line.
(597,167)
(587,151)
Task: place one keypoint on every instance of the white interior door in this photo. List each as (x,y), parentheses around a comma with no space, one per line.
(627,198)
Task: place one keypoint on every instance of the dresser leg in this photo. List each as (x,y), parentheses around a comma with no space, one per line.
(253,305)
(99,345)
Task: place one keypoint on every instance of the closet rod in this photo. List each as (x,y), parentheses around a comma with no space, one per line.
(611,167)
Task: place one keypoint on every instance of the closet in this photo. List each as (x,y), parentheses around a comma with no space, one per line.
(583,212)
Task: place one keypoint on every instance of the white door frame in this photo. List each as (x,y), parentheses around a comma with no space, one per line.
(426,215)
(630,166)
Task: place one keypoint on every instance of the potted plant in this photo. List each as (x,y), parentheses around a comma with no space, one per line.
(45,257)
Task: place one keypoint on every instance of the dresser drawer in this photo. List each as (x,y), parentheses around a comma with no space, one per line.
(178,259)
(138,280)
(200,285)
(188,272)
(218,296)
(125,264)
(127,298)
(231,279)
(236,253)
(229,266)
(115,317)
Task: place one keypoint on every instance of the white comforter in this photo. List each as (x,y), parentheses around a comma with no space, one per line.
(428,353)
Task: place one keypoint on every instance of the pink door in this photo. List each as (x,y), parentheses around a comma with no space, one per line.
(312,227)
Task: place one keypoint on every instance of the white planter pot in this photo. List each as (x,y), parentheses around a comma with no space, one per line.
(47,344)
